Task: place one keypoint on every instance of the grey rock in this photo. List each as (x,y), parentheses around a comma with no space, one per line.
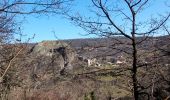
(49,60)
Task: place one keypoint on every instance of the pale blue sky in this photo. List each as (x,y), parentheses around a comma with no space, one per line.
(45,27)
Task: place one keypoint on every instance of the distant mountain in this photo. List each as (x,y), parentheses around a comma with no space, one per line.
(109,45)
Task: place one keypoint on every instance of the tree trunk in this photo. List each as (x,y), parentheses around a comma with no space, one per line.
(134,55)
(134,71)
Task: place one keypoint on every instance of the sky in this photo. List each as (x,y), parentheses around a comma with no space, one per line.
(53,27)
(45,27)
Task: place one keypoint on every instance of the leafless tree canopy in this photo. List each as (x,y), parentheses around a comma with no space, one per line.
(10,21)
(31,6)
(123,18)
(10,9)
(111,19)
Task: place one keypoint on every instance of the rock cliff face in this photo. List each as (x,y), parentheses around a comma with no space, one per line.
(57,51)
(49,60)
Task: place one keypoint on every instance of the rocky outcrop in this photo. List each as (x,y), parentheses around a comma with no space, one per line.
(56,50)
(46,62)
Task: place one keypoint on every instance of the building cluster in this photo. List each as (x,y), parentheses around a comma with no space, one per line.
(99,61)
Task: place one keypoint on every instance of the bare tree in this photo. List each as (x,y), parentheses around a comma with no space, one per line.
(10,47)
(122,18)
(33,6)
(10,9)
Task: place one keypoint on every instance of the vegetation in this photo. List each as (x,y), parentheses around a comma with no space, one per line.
(130,27)
(127,62)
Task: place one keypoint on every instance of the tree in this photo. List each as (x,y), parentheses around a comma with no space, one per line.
(10,47)
(9,11)
(32,7)
(122,18)
(162,89)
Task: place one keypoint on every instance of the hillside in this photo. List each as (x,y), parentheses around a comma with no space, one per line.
(80,69)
